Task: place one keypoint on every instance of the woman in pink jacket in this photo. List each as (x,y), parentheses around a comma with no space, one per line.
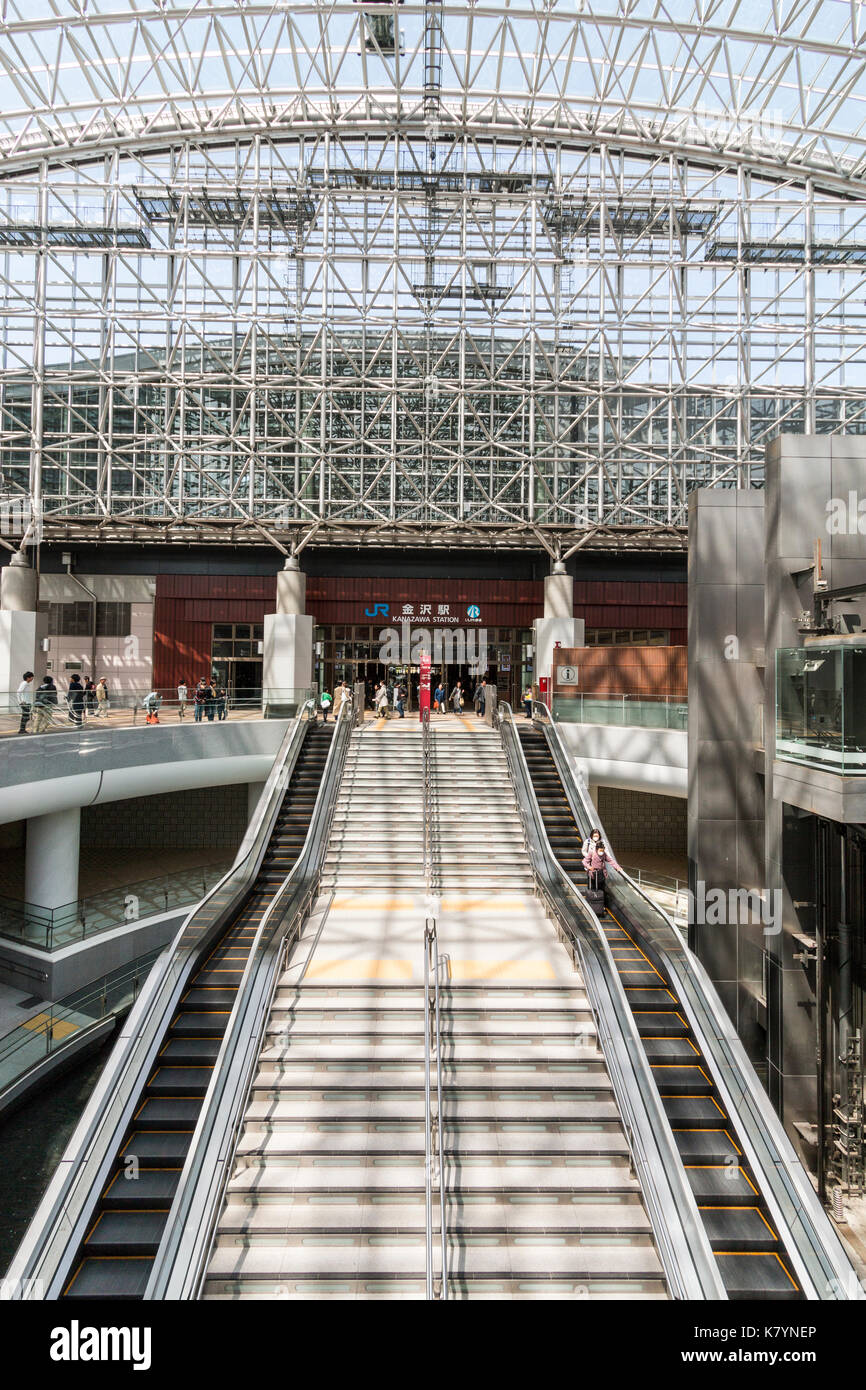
(595,860)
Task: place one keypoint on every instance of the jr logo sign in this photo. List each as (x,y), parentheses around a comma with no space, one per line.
(379,610)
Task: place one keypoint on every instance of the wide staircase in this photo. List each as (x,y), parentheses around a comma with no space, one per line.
(327,1199)
(378,829)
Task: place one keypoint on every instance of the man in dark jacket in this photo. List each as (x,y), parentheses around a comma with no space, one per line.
(75,700)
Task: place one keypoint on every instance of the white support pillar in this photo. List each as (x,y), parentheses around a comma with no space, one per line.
(51,863)
(21,629)
(559,623)
(288,640)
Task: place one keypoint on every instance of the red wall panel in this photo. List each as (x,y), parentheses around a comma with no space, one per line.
(187,605)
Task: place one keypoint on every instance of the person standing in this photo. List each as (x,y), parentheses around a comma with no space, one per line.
(75,700)
(209,701)
(527,702)
(340,694)
(182,693)
(222,703)
(90,695)
(46,700)
(381,700)
(595,860)
(101,698)
(480,698)
(456,698)
(25,700)
(199,701)
(400,700)
(439,698)
(325,701)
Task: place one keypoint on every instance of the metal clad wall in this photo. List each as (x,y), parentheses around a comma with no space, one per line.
(187,606)
(626,671)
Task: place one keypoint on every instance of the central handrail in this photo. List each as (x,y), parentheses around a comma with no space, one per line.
(434,1147)
(426,801)
(433,1135)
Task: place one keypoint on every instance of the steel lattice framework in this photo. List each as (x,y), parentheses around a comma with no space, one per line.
(501,274)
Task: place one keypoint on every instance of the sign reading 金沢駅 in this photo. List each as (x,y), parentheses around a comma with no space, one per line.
(428,614)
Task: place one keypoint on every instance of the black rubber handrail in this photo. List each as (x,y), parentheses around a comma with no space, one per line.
(818,1257)
(690,1267)
(42,1262)
(180,1265)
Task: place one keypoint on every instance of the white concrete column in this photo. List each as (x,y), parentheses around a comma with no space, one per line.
(559,623)
(51,863)
(287,664)
(21,629)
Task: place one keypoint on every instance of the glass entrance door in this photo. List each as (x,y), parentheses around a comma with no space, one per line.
(235,661)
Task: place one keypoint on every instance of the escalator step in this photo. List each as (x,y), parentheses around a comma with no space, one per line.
(747,1275)
(208,998)
(192,1025)
(179,1112)
(651,1024)
(180,1081)
(152,1188)
(111,1278)
(126,1233)
(724,1186)
(157,1148)
(192,1050)
(671,1049)
(738,1228)
(694,1111)
(675,1080)
(706,1146)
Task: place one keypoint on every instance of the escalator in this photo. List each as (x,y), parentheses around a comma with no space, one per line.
(116,1257)
(752,1260)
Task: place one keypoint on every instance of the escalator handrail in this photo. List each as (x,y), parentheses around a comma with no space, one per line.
(690,1267)
(181,1261)
(41,1264)
(816,1252)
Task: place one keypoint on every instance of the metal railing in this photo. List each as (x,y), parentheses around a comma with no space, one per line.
(181,1262)
(127,708)
(434,1139)
(426,801)
(622,711)
(817,1255)
(48,928)
(62,1025)
(61,1220)
(681,1239)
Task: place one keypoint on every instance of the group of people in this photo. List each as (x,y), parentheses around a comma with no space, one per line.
(328,702)
(595,857)
(456,701)
(209,700)
(37,705)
